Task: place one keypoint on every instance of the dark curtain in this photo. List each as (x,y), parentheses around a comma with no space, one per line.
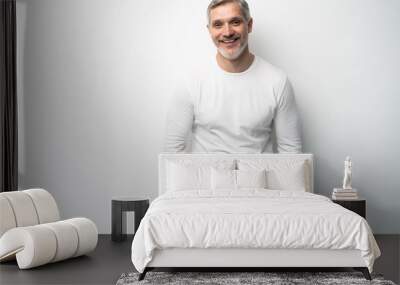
(8,92)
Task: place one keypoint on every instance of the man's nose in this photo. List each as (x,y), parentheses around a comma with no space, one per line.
(228,31)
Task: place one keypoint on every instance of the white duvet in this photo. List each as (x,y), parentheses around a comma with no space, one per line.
(251,218)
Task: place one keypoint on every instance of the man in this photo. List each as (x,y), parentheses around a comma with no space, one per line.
(232,105)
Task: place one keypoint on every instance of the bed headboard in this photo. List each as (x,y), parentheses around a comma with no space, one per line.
(164,158)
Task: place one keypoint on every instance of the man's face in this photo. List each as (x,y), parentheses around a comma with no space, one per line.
(229,30)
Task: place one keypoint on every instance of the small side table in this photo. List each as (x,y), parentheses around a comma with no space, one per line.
(119,207)
(358,206)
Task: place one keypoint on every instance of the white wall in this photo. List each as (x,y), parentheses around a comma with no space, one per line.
(95,75)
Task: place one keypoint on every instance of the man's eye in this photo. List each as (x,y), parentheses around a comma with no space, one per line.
(236,22)
(217,25)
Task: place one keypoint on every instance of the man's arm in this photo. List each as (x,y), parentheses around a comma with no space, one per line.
(179,122)
(287,122)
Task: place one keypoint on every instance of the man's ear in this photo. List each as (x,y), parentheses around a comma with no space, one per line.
(250,25)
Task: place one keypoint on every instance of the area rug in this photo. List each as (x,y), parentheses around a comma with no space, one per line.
(244,278)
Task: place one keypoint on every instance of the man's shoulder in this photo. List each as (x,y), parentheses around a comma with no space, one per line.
(189,77)
(271,70)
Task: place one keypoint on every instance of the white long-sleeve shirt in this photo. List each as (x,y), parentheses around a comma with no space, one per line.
(214,111)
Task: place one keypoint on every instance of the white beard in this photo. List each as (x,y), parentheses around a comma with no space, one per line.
(233,56)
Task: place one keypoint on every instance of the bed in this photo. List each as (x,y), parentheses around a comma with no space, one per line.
(246,211)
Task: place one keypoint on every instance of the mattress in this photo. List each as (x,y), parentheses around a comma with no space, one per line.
(251,219)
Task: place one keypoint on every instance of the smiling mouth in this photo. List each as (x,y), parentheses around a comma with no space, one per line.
(230,41)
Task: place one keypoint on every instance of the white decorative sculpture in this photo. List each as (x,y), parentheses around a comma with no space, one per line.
(347,173)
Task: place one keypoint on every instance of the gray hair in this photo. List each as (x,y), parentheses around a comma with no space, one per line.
(244,7)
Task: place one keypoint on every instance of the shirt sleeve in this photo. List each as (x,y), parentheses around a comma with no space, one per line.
(179,122)
(287,122)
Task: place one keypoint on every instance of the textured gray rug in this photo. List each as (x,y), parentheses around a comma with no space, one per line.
(270,278)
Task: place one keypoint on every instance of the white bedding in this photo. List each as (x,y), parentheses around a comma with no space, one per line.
(250,218)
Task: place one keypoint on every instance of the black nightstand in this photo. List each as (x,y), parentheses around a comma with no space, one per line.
(119,207)
(358,206)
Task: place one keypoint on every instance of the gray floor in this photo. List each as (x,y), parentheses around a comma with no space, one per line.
(103,266)
(110,259)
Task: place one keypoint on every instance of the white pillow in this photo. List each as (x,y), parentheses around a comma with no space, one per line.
(282,174)
(287,179)
(189,174)
(251,178)
(223,179)
(237,179)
